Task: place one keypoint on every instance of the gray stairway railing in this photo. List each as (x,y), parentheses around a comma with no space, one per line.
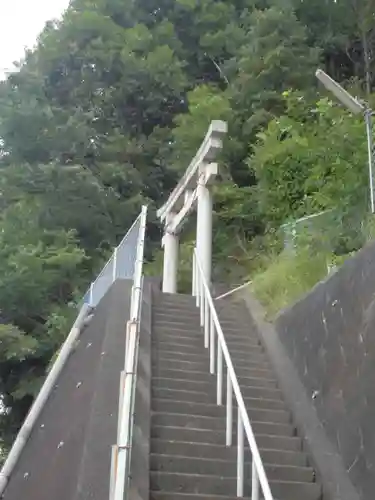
(214,341)
(121,452)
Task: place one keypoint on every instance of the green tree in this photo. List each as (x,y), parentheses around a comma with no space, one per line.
(312,158)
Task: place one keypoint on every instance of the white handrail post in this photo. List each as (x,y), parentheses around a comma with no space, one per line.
(206,322)
(219,386)
(114,270)
(194,280)
(240,455)
(112,478)
(212,345)
(229,429)
(254,482)
(197,281)
(201,304)
(91,296)
(125,426)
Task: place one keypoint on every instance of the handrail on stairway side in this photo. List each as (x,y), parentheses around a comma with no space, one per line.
(210,322)
(121,455)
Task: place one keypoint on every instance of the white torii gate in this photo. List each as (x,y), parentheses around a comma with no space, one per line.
(193,187)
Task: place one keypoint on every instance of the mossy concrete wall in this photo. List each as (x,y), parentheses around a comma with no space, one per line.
(329,336)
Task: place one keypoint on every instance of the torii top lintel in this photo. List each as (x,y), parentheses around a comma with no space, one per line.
(206,154)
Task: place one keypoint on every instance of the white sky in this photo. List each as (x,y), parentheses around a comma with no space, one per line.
(21,21)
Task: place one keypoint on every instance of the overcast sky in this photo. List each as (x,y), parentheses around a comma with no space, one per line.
(20,23)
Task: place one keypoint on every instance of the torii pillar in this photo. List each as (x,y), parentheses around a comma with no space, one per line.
(170,242)
(207,174)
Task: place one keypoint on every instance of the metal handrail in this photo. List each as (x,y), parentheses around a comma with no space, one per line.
(122,455)
(210,322)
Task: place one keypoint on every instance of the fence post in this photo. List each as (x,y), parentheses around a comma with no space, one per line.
(219,387)
(229,429)
(114,270)
(91,295)
(240,455)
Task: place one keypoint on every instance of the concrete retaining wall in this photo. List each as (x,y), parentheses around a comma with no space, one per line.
(330,338)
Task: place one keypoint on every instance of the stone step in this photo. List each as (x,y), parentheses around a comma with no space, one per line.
(183,395)
(193,326)
(225,468)
(165,495)
(197,340)
(239,358)
(184,315)
(243,368)
(190,310)
(218,437)
(189,314)
(222,452)
(248,393)
(192,483)
(207,384)
(219,423)
(212,410)
(196,344)
(173,298)
(244,376)
(197,397)
(214,485)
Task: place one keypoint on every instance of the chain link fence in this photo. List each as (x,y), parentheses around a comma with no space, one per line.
(331,232)
(120,265)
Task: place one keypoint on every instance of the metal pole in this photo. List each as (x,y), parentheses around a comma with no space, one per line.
(229,429)
(125,424)
(206,323)
(202,299)
(91,297)
(219,386)
(197,282)
(194,280)
(368,120)
(240,455)
(254,483)
(114,270)
(212,345)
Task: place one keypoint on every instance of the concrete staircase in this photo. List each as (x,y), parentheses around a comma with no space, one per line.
(189,459)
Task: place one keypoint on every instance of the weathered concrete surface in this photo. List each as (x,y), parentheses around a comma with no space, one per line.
(68,453)
(330,337)
(323,455)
